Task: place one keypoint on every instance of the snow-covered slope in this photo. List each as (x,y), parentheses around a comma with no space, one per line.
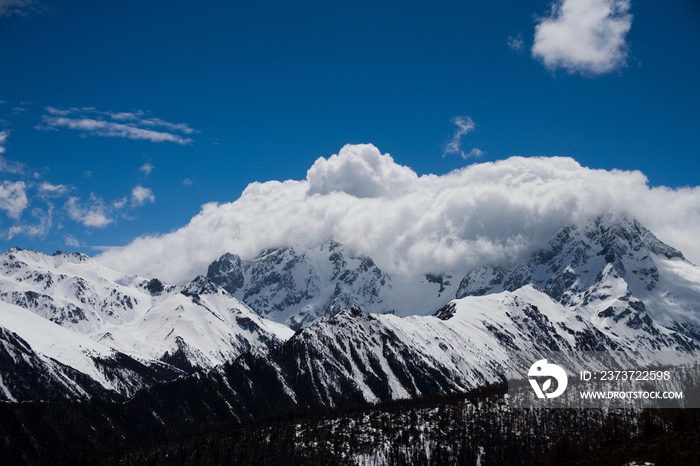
(198,325)
(71,289)
(39,359)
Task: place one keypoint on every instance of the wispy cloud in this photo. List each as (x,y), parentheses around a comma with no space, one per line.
(146,168)
(37,230)
(8,166)
(129,125)
(48,190)
(18,7)
(37,195)
(3,138)
(584,36)
(516,44)
(97,213)
(71,241)
(141,196)
(464,125)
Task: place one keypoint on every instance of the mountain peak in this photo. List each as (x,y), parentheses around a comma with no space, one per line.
(201,285)
(299,285)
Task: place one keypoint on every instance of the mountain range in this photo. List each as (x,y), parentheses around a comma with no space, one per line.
(318,325)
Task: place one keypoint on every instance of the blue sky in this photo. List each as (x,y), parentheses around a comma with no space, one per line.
(121,119)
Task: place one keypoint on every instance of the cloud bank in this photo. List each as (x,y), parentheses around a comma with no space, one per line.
(495,212)
(584,36)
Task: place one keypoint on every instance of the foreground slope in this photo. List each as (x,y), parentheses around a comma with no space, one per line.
(41,360)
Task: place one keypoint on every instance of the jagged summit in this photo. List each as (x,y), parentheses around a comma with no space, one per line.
(298,286)
(612,267)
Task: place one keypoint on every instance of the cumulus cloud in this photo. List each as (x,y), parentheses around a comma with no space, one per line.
(141,196)
(496,213)
(464,125)
(585,36)
(94,213)
(127,125)
(361,171)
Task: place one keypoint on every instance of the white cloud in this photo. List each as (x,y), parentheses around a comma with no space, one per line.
(119,203)
(59,112)
(47,190)
(187,182)
(37,230)
(517,44)
(13,198)
(8,166)
(585,36)
(464,125)
(129,125)
(147,168)
(495,212)
(141,196)
(71,241)
(3,138)
(94,214)
(475,152)
(361,171)
(115,130)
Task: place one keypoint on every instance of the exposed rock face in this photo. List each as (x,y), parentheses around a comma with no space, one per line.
(300,287)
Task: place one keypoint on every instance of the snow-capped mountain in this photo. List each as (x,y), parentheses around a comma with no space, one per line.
(199,325)
(123,332)
(300,287)
(608,285)
(357,356)
(614,272)
(71,289)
